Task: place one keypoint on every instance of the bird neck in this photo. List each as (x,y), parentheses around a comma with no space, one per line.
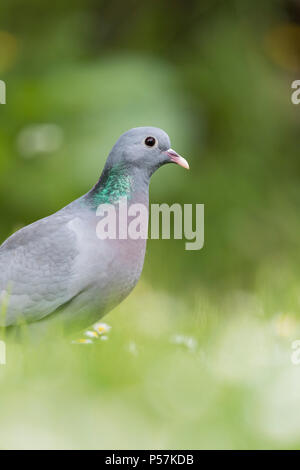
(117,182)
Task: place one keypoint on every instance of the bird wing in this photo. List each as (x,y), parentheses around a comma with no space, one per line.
(36,270)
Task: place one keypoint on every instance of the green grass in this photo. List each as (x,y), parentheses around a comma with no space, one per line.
(233,386)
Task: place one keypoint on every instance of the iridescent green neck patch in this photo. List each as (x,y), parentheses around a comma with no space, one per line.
(113,185)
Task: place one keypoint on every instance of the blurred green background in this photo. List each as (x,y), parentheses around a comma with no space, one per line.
(217,77)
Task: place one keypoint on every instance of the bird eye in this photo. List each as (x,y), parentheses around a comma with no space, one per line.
(150,141)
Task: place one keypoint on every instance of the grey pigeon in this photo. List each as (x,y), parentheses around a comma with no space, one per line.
(58,268)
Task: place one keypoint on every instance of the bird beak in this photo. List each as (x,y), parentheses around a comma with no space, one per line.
(175,158)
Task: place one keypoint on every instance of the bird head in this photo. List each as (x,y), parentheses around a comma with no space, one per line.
(147,148)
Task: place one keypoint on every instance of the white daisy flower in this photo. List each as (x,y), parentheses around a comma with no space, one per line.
(101,328)
(91,334)
(82,341)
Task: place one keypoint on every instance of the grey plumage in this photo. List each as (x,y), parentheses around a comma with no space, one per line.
(57,268)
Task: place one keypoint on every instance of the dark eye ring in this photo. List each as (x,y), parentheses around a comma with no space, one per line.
(150,141)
